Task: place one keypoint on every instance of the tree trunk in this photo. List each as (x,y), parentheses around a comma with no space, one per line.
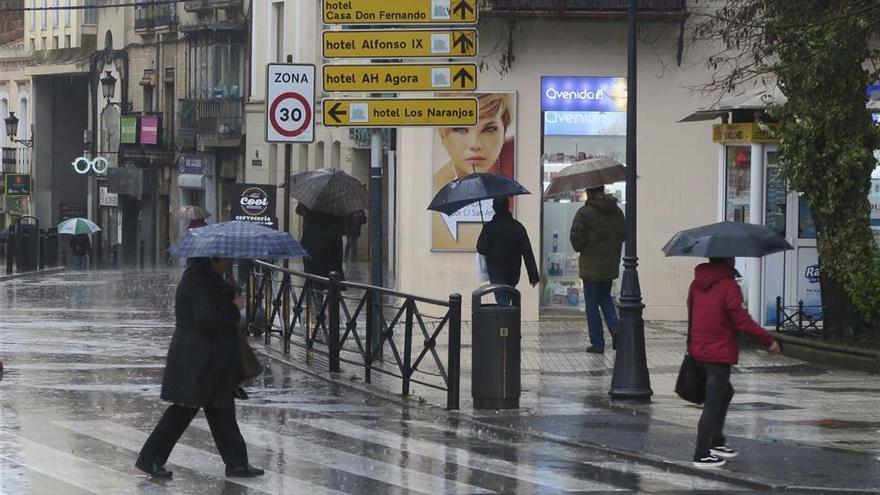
(841,318)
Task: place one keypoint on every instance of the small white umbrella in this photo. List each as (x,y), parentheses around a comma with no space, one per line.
(73,226)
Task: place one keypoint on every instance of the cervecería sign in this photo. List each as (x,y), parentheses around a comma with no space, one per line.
(253,203)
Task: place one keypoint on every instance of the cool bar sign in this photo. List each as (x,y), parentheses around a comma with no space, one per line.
(253,203)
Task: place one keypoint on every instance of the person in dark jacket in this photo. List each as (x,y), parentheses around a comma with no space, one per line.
(353,224)
(200,370)
(597,233)
(505,244)
(322,239)
(715,316)
(80,245)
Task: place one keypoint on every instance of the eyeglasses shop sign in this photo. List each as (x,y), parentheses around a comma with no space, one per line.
(254,203)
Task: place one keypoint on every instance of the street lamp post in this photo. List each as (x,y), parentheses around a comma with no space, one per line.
(631,380)
(12,130)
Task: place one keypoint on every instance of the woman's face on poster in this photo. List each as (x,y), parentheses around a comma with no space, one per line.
(475,148)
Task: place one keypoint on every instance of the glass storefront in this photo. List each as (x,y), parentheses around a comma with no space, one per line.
(583,117)
(874,198)
(738,171)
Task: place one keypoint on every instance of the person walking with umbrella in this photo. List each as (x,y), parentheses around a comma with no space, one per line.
(201,370)
(505,244)
(716,316)
(80,244)
(597,233)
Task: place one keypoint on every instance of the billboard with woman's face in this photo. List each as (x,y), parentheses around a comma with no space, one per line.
(489,147)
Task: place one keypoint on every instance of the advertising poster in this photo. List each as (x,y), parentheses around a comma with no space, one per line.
(490,147)
(149,129)
(253,203)
(808,281)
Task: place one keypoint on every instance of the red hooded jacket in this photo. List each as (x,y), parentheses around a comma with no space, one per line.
(716,314)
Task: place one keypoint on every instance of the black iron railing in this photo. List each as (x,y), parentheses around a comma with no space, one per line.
(585,5)
(152,15)
(210,119)
(354,323)
(800,320)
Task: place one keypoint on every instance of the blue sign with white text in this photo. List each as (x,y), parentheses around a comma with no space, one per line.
(583,94)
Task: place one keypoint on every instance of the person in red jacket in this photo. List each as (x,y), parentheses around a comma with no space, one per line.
(715,316)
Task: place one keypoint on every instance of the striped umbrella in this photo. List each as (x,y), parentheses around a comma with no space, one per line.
(330,191)
(73,226)
(235,239)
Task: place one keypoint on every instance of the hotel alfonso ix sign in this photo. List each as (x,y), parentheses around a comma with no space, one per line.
(432,32)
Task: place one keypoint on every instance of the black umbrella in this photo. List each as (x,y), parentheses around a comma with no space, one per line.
(473,188)
(330,191)
(727,240)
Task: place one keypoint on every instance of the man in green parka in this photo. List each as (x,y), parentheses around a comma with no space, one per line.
(597,233)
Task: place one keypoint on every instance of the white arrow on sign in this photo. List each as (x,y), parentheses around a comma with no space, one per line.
(468,214)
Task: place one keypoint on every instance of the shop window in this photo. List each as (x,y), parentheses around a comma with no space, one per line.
(777,192)
(738,171)
(874,199)
(806,225)
(570,136)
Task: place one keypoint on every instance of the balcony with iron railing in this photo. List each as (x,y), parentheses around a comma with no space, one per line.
(210,122)
(586,8)
(15,160)
(205,5)
(152,16)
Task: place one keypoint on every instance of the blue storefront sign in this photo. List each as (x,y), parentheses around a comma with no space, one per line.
(557,123)
(583,94)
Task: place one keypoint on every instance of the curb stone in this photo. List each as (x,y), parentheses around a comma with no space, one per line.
(47,271)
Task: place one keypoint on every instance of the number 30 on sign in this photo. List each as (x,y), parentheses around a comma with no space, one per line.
(290,103)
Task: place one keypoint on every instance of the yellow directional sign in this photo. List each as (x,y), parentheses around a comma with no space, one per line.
(394,112)
(391,78)
(449,43)
(400,12)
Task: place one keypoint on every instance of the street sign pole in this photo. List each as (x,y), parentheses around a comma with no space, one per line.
(288,157)
(376,231)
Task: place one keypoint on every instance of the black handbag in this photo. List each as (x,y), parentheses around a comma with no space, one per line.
(691,382)
(247,364)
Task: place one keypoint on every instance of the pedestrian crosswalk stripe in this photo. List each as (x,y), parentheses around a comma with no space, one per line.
(192,458)
(343,461)
(74,470)
(455,455)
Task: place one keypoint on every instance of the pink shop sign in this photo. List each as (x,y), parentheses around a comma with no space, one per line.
(150,130)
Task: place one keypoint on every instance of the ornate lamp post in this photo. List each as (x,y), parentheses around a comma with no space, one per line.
(631,379)
(12,131)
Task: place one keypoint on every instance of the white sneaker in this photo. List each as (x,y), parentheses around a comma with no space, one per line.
(709,462)
(723,451)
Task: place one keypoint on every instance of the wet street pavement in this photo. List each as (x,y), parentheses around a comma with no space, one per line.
(84,354)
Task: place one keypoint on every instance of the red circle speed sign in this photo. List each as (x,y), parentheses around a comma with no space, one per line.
(290,120)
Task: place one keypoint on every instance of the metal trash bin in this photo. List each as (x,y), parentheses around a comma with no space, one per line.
(27,247)
(495,350)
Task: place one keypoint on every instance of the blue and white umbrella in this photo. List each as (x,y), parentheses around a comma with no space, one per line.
(235,239)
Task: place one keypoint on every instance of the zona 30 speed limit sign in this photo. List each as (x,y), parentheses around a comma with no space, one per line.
(290,103)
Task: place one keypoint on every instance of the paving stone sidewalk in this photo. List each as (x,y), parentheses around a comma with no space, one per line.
(797,425)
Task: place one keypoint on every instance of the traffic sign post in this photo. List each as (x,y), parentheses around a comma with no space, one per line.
(394,112)
(424,43)
(290,103)
(395,12)
(391,78)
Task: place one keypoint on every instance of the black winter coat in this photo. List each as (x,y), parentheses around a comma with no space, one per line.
(322,239)
(505,244)
(200,369)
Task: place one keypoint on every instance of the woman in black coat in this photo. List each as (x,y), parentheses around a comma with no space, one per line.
(200,370)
